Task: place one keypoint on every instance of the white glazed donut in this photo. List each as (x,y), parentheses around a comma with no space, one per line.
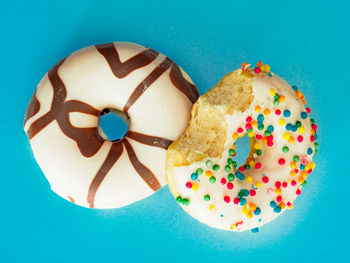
(202,171)
(62,118)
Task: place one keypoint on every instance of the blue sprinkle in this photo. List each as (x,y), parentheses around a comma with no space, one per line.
(270,128)
(270,74)
(255,230)
(277,209)
(302,167)
(303,115)
(194,176)
(239,175)
(286,113)
(294,128)
(254,187)
(242,201)
(309,151)
(273,204)
(289,126)
(245,192)
(257,211)
(295,87)
(260,117)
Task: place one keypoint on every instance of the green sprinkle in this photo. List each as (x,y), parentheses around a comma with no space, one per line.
(247,166)
(208,163)
(234,164)
(216,167)
(231,152)
(179,199)
(296,158)
(276,97)
(227,168)
(207,198)
(231,177)
(304,183)
(267,133)
(312,121)
(298,123)
(229,161)
(185,202)
(240,194)
(260,127)
(199,171)
(276,102)
(316,145)
(259,152)
(285,149)
(250,130)
(212,179)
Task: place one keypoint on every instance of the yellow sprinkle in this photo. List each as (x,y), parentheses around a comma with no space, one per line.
(249,179)
(282,205)
(263,68)
(251,163)
(281,99)
(250,134)
(245,210)
(258,184)
(299,94)
(291,139)
(272,92)
(286,136)
(267,68)
(211,207)
(254,124)
(290,207)
(300,179)
(208,173)
(194,187)
(313,165)
(249,215)
(292,173)
(233,226)
(252,207)
(278,191)
(257,146)
(293,165)
(301,129)
(235,136)
(304,174)
(281,122)
(267,112)
(307,167)
(257,108)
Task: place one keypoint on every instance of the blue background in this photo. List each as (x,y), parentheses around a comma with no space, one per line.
(305,42)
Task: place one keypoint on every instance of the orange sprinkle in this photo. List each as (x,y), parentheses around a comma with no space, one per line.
(281,98)
(267,112)
(299,94)
(254,124)
(264,140)
(235,136)
(257,108)
(208,173)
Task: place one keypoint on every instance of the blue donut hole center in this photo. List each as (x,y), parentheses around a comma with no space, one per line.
(113,123)
(242,150)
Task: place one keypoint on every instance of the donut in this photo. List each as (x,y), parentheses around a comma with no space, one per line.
(153,94)
(202,169)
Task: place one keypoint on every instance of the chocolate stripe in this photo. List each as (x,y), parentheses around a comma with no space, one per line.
(113,155)
(78,106)
(182,84)
(71,199)
(147,82)
(142,170)
(33,108)
(149,140)
(122,69)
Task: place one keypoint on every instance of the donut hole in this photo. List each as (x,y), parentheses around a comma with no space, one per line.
(242,148)
(113,124)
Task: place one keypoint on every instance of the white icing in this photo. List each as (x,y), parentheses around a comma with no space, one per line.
(225,214)
(162,111)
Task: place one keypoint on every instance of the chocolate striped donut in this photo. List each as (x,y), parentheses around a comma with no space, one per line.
(61,122)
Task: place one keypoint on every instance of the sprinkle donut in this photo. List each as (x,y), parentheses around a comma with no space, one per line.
(202,169)
(61,121)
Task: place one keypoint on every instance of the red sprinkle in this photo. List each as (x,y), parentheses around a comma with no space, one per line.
(258,137)
(294,183)
(257,70)
(265,179)
(279,198)
(300,138)
(269,143)
(236,200)
(241,168)
(278,184)
(239,130)
(252,192)
(298,192)
(284,184)
(257,165)
(223,181)
(248,119)
(189,185)
(248,126)
(270,138)
(230,185)
(277,112)
(227,198)
(314,126)
(281,161)
(312,138)
(296,171)
(310,171)
(308,110)
(289,204)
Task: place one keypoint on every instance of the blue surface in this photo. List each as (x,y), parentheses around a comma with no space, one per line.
(306,42)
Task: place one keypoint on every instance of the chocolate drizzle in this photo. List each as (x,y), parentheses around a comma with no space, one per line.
(87,139)
(113,155)
(142,170)
(149,140)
